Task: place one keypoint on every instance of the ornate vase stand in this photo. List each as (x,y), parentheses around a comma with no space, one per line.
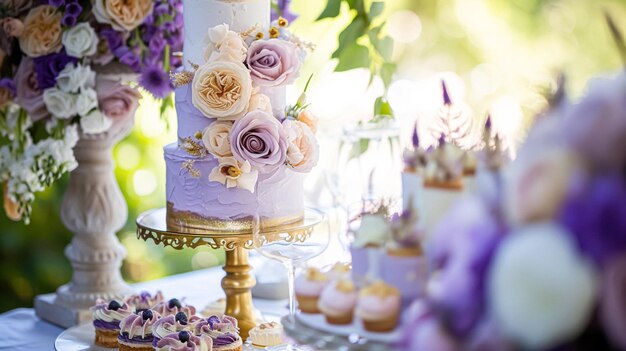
(238,281)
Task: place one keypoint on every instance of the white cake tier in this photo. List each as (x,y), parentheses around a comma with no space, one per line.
(200,15)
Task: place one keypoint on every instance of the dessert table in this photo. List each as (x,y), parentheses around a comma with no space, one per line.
(23,330)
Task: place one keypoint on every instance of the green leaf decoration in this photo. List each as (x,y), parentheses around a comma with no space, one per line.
(382,107)
(384,47)
(354,56)
(357,5)
(386,73)
(348,36)
(376,9)
(332,9)
(359,148)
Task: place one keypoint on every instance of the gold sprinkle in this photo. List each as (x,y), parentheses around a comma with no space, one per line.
(192,147)
(282,22)
(274,32)
(345,285)
(259,35)
(381,289)
(198,135)
(181,78)
(188,165)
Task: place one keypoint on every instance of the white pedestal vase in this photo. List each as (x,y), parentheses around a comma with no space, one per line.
(94,209)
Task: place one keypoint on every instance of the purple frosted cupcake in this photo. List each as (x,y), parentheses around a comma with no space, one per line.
(172,307)
(184,341)
(144,300)
(136,331)
(106,320)
(173,324)
(224,332)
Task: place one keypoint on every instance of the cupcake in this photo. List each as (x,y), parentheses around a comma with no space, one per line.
(106,320)
(267,334)
(338,271)
(143,300)
(378,307)
(337,301)
(186,341)
(223,330)
(308,287)
(173,306)
(172,324)
(136,331)
(215,308)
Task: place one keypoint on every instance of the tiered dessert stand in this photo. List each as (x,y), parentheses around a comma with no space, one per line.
(236,241)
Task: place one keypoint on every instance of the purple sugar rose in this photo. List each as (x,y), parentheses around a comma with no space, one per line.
(29,95)
(49,66)
(259,138)
(273,62)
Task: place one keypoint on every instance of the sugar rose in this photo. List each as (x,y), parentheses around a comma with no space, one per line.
(259,138)
(122,15)
(29,96)
(222,90)
(307,117)
(260,102)
(42,31)
(60,104)
(216,138)
(224,44)
(12,27)
(80,40)
(303,151)
(117,101)
(273,62)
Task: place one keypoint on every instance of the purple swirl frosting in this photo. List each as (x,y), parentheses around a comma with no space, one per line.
(144,300)
(172,342)
(164,309)
(168,324)
(259,138)
(135,328)
(225,339)
(215,323)
(105,318)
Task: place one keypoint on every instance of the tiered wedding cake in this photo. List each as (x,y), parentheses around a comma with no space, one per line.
(241,151)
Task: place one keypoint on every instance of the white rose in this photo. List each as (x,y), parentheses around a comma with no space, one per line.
(261,102)
(86,101)
(224,45)
(59,103)
(541,290)
(95,122)
(74,78)
(374,231)
(216,138)
(80,40)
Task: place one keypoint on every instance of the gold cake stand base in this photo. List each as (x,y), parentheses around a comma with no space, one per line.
(238,282)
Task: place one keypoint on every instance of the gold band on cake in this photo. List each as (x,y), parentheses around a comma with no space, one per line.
(189,222)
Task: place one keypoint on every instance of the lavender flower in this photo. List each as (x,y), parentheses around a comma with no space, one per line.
(156,81)
(157,44)
(68,20)
(73,9)
(114,38)
(8,84)
(127,57)
(56,3)
(596,216)
(446,97)
(47,68)
(281,9)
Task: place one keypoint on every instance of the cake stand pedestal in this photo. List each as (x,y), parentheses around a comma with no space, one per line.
(238,282)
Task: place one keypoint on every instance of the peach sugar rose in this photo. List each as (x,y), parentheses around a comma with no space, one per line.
(122,15)
(42,31)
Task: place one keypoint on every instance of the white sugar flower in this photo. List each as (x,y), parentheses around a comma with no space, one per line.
(86,101)
(74,78)
(80,40)
(541,290)
(224,45)
(374,230)
(59,103)
(233,173)
(216,138)
(95,122)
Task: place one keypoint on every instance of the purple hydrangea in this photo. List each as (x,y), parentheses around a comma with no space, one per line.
(47,68)
(155,80)
(596,216)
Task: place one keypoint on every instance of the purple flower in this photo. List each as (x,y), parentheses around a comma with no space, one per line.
(157,44)
(73,9)
(259,138)
(68,20)
(596,216)
(127,57)
(281,9)
(149,20)
(114,38)
(178,20)
(446,97)
(48,67)
(56,3)
(462,249)
(169,26)
(8,84)
(155,80)
(273,62)
(161,10)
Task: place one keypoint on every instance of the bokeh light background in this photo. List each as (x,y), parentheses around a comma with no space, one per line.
(497,56)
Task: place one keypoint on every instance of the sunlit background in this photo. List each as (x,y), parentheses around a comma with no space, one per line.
(497,56)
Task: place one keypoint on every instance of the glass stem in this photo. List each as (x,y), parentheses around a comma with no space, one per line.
(291,277)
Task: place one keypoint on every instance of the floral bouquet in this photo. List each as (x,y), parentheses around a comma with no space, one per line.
(543,265)
(233,87)
(61,69)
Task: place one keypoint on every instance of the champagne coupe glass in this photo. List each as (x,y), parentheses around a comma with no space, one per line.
(292,245)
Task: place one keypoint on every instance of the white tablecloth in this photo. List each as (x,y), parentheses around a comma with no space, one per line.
(21,329)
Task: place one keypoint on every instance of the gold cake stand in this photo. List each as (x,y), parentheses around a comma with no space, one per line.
(237,283)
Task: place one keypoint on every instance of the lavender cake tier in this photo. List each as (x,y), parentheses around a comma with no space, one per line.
(194,201)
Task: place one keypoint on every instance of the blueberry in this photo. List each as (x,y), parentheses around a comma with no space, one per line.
(114,305)
(174,302)
(146,314)
(183,336)
(140,310)
(181,318)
